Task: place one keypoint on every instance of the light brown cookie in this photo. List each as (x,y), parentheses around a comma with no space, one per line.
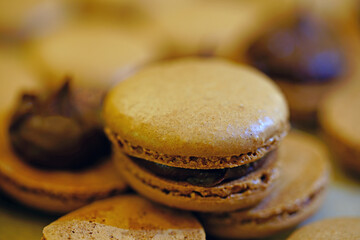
(197,134)
(298,193)
(125,217)
(339,118)
(94,53)
(22,19)
(56,191)
(329,229)
(16,76)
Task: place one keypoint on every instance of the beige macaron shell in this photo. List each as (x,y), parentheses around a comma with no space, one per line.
(329,229)
(198,27)
(16,76)
(228,196)
(198,107)
(94,53)
(125,217)
(54,191)
(339,118)
(23,17)
(298,194)
(257,17)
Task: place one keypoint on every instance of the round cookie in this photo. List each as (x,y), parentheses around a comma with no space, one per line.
(297,194)
(16,75)
(22,18)
(306,68)
(56,191)
(200,118)
(339,119)
(329,229)
(125,217)
(93,53)
(200,28)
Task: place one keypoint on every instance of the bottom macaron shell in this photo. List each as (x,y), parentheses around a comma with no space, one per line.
(304,99)
(229,196)
(329,229)
(298,193)
(348,156)
(54,191)
(125,217)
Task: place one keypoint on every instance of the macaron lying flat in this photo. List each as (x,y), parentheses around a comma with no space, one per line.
(16,75)
(329,229)
(56,191)
(202,27)
(339,118)
(93,53)
(125,217)
(298,193)
(21,19)
(197,134)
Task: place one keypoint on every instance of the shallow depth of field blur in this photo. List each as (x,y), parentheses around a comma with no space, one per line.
(98,43)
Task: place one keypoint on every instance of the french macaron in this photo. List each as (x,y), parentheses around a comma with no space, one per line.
(20,20)
(339,118)
(125,217)
(199,28)
(329,229)
(94,53)
(197,134)
(54,191)
(54,155)
(17,75)
(305,68)
(299,192)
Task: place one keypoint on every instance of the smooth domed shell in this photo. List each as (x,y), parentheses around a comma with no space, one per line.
(198,107)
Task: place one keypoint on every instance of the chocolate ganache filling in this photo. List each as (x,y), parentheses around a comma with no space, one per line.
(303,50)
(200,177)
(61,130)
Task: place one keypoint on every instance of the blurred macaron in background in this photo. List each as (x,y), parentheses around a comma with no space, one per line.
(63,63)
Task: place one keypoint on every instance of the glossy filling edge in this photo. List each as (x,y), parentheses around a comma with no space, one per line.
(201,177)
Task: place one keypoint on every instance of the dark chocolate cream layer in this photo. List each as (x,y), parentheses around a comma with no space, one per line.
(302,50)
(59,130)
(200,177)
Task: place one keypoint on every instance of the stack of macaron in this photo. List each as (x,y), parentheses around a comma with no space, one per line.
(117,102)
(209,136)
(199,135)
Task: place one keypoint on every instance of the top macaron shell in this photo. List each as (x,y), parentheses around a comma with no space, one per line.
(207,108)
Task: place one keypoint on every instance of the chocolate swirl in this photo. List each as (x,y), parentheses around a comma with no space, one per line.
(201,177)
(59,131)
(302,51)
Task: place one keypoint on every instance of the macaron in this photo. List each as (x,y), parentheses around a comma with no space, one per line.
(199,28)
(54,154)
(16,74)
(339,120)
(94,53)
(125,217)
(299,192)
(304,67)
(23,19)
(329,229)
(55,191)
(197,134)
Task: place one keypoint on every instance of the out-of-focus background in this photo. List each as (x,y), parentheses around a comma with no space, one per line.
(310,48)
